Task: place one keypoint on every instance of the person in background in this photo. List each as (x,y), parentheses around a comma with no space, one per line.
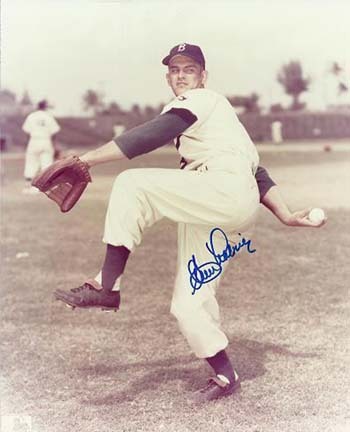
(41,127)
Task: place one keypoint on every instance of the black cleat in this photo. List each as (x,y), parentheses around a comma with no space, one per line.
(89,295)
(216,389)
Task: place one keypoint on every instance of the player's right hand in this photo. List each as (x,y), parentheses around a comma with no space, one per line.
(300,219)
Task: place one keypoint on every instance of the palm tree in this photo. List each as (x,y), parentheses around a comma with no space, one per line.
(26,100)
(338,72)
(92,100)
(342,88)
(136,110)
(114,109)
(294,83)
(249,103)
(336,69)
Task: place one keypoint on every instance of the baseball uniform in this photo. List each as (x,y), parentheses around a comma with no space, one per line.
(40,125)
(213,198)
(215,188)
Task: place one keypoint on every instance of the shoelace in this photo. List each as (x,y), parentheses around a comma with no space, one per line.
(82,288)
(211,383)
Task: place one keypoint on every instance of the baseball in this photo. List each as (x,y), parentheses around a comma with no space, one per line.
(316,215)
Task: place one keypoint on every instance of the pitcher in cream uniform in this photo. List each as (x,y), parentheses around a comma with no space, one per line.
(214,188)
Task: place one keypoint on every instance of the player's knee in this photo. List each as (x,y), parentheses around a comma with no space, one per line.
(125,176)
(126,180)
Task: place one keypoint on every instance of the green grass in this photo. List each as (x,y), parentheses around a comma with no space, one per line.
(285,310)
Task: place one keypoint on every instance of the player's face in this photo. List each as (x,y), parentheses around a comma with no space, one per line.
(185,74)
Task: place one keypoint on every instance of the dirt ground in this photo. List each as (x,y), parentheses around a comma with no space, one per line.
(285,310)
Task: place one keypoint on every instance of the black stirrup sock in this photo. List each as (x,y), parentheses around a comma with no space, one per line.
(222,365)
(114,264)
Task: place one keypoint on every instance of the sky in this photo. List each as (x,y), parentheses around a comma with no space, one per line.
(57,49)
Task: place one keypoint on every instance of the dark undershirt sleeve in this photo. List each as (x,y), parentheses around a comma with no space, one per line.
(264,181)
(164,128)
(155,133)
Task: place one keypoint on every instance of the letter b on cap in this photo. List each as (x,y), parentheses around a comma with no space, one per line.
(182,47)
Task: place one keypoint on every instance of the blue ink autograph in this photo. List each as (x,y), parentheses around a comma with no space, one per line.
(206,272)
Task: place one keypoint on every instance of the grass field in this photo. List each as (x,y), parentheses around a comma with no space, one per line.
(285,310)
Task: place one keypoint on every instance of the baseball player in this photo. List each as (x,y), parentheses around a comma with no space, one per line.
(40,126)
(218,185)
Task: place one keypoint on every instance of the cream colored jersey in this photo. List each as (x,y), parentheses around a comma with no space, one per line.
(217,140)
(40,125)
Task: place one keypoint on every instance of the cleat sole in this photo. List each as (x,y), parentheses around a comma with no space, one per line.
(104,309)
(73,306)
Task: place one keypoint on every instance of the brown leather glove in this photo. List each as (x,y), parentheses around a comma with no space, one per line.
(64,181)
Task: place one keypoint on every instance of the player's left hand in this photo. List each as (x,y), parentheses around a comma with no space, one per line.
(64,181)
(300,219)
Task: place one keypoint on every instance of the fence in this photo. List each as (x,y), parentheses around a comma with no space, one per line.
(77,132)
(299,126)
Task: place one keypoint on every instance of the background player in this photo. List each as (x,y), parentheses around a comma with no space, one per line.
(41,126)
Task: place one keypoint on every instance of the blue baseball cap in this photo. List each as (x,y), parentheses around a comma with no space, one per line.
(188,50)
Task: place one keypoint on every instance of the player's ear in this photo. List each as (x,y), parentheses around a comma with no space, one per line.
(167,76)
(204,77)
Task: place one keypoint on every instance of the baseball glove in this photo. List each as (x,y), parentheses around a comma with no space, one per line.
(64,181)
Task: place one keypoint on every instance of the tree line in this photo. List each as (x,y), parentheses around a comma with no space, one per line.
(290,76)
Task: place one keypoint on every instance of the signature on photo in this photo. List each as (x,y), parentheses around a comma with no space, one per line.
(207,271)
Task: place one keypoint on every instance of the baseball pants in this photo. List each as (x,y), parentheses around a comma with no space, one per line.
(198,202)
(37,158)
